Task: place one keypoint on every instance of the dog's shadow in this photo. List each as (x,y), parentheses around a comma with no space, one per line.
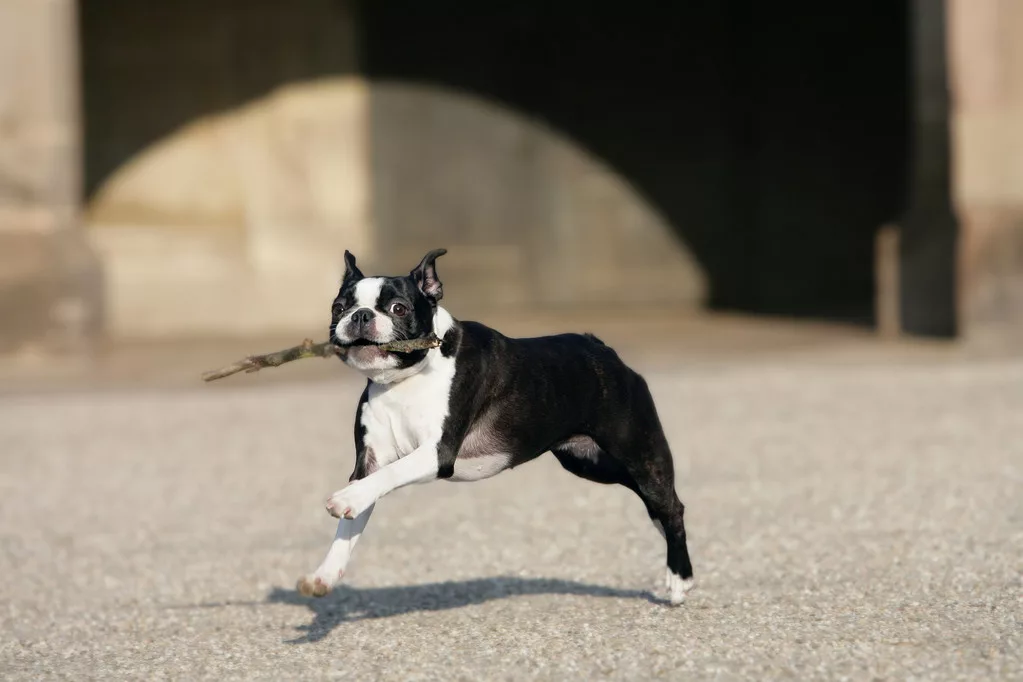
(347,604)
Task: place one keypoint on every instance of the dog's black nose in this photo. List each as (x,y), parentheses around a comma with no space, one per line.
(362,316)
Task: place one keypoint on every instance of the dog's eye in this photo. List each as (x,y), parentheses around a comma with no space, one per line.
(399,309)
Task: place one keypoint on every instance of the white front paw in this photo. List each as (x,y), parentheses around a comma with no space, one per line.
(351,501)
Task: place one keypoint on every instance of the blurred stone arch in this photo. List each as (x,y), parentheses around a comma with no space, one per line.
(238,218)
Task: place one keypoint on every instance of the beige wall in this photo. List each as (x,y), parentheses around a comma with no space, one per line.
(986,73)
(48,278)
(236,224)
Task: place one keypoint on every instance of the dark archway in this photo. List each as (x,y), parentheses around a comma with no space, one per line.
(773,137)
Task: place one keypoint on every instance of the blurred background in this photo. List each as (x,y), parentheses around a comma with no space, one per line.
(801,221)
(196,168)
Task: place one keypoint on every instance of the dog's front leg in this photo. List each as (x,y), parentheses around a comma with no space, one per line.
(354,505)
(332,569)
(419,466)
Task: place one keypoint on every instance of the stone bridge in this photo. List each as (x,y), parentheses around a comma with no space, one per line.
(188,168)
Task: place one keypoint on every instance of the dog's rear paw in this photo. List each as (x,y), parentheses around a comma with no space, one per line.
(678,587)
(312,586)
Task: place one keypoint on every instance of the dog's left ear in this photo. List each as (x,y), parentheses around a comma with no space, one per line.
(425,275)
(352,272)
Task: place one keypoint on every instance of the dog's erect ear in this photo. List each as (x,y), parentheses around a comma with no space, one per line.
(352,272)
(425,275)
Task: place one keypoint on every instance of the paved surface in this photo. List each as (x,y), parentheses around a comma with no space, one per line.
(851,515)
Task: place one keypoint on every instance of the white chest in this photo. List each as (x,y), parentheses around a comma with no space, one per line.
(409,414)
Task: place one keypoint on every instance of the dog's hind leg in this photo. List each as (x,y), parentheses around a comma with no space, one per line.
(667,511)
(649,474)
(645,455)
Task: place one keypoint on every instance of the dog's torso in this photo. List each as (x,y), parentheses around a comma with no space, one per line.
(491,402)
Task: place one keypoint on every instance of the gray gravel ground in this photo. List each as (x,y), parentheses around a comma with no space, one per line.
(855,518)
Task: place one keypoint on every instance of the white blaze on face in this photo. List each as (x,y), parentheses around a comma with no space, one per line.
(367,294)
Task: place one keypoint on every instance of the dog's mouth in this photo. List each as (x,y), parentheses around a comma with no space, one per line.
(365,347)
(364,350)
(386,346)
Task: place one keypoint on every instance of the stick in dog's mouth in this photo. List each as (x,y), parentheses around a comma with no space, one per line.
(308,349)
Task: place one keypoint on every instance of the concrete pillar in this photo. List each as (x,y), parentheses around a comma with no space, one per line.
(986,70)
(927,240)
(49,280)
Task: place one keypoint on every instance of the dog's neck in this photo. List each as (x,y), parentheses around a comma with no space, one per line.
(442,322)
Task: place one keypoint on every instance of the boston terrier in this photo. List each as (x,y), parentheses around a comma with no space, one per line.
(480,403)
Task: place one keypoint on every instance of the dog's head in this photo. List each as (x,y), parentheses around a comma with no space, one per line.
(369,311)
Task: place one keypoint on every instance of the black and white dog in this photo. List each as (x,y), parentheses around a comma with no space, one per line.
(481,403)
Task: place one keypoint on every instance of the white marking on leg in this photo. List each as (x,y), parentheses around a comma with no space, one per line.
(333,566)
(678,587)
(419,466)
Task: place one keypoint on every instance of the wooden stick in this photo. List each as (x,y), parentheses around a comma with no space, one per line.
(308,349)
